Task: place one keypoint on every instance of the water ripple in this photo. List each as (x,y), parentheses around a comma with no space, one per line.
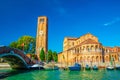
(65,75)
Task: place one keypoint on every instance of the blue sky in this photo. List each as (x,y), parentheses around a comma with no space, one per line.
(72,18)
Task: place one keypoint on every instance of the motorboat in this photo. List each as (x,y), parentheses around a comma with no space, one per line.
(76,67)
(110,68)
(87,67)
(117,67)
(36,67)
(95,67)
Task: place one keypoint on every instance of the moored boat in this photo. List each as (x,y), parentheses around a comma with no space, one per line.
(110,68)
(87,67)
(76,67)
(36,67)
(95,67)
(117,67)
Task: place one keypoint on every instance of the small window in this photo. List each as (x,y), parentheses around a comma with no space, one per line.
(41,20)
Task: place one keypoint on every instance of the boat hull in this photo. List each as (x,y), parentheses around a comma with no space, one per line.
(36,68)
(74,68)
(118,68)
(95,67)
(110,68)
(87,67)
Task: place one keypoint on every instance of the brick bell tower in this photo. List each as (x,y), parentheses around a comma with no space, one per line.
(42,35)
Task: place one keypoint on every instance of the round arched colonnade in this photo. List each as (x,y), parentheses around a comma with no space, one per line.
(86,59)
(107,58)
(86,48)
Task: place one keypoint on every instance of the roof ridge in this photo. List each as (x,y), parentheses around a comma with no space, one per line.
(88,40)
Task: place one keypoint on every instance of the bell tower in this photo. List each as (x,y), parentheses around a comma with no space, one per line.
(42,35)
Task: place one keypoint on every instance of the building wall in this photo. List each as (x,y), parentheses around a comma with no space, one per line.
(68,43)
(91,51)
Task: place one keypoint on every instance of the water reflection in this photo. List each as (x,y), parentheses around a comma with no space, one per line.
(61,75)
(11,72)
(46,75)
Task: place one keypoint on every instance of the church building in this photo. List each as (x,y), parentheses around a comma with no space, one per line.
(86,49)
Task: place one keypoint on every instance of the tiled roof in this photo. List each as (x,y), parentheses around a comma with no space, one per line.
(71,38)
(89,41)
(108,47)
(87,34)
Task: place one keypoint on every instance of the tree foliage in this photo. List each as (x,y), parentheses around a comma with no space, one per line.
(52,56)
(26,43)
(33,57)
(55,56)
(42,55)
(49,56)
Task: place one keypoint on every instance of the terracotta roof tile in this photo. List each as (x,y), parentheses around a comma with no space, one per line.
(88,41)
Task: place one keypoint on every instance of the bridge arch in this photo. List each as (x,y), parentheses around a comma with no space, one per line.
(15,58)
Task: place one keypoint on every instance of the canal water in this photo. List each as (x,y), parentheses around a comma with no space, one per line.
(9,74)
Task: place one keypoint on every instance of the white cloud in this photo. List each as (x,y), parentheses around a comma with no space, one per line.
(112,22)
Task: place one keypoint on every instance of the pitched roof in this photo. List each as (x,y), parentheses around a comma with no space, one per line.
(71,38)
(87,34)
(90,41)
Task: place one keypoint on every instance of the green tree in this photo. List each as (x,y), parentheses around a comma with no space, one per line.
(55,56)
(42,55)
(50,57)
(13,44)
(26,43)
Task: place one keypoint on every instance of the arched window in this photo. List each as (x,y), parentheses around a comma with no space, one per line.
(87,48)
(77,50)
(72,43)
(80,49)
(96,47)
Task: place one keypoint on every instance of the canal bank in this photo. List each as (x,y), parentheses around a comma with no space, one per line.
(4,65)
(100,65)
(101,74)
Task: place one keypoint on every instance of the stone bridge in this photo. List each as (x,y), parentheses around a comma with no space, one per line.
(15,58)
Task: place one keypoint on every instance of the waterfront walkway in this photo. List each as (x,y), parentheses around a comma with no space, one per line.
(100,65)
(4,65)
